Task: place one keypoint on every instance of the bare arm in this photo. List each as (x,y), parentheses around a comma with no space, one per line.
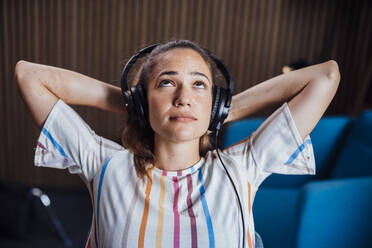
(40,87)
(310,91)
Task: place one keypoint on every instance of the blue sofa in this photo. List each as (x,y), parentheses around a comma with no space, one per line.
(330,209)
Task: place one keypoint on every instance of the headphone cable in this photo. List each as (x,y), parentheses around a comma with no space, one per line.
(236,192)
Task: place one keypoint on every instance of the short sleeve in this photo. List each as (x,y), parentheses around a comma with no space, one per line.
(67,141)
(274,147)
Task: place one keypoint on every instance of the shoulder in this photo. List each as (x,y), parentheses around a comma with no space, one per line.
(117,165)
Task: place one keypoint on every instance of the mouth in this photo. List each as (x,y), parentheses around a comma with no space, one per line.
(182,118)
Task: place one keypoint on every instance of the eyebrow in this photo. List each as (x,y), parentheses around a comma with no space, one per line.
(196,73)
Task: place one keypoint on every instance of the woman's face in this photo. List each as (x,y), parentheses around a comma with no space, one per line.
(179,95)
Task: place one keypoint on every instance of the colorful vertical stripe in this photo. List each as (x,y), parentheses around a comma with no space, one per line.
(249,238)
(206,210)
(141,238)
(99,191)
(249,211)
(159,229)
(194,233)
(176,219)
(249,198)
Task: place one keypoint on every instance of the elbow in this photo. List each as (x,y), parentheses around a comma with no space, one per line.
(333,72)
(19,70)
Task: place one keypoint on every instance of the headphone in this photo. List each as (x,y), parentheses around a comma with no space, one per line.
(136,99)
(137,106)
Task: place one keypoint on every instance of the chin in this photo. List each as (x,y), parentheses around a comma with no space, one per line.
(184,136)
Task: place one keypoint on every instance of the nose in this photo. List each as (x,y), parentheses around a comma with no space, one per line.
(183,97)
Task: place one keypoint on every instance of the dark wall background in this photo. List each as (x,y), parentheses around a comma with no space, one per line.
(254,38)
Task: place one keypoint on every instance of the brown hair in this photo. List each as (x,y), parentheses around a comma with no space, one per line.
(140,141)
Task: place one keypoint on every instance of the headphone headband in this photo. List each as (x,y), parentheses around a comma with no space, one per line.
(131,62)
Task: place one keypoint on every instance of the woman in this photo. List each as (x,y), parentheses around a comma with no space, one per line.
(165,187)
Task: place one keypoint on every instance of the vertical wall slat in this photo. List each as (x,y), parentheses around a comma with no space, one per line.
(2,85)
(14,108)
(5,87)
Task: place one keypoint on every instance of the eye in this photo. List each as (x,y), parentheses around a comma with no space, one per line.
(200,85)
(165,83)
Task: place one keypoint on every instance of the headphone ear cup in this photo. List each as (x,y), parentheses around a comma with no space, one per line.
(143,103)
(137,111)
(216,102)
(140,104)
(224,107)
(220,109)
(129,104)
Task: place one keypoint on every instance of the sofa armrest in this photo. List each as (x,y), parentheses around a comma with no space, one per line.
(335,213)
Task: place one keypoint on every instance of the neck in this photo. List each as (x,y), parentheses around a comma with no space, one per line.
(176,156)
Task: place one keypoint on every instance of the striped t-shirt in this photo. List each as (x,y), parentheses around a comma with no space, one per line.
(194,207)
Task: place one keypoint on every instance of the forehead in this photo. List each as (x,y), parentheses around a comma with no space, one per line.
(181,59)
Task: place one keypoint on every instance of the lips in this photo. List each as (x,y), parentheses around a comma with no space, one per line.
(182,117)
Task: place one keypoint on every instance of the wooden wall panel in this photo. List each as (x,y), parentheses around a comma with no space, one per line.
(254,38)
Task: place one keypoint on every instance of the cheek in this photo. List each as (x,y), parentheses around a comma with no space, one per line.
(206,108)
(153,110)
(156,110)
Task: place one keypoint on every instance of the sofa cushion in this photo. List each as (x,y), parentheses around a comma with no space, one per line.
(328,138)
(355,159)
(335,213)
(274,213)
